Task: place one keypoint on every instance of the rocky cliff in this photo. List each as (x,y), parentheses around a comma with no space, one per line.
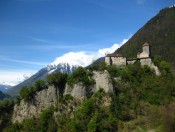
(49,96)
(40,101)
(102,81)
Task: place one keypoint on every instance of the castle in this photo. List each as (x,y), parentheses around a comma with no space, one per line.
(144,57)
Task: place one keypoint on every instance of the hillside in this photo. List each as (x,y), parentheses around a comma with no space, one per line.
(159,32)
(3,96)
(104,99)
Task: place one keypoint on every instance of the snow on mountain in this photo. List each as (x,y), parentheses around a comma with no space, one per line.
(61,67)
(83,58)
(42,74)
(66,63)
(73,59)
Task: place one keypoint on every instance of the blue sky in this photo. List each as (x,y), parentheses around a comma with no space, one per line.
(35,32)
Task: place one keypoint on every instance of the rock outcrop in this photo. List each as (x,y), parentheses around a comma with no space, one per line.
(41,100)
(48,97)
(77,90)
(102,81)
(148,62)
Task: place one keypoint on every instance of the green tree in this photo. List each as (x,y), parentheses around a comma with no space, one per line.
(25,93)
(6,109)
(81,75)
(39,85)
(58,80)
(46,120)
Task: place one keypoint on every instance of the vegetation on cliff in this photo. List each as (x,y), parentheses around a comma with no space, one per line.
(81,75)
(141,101)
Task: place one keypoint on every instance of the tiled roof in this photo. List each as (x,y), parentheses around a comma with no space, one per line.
(113,55)
(146,44)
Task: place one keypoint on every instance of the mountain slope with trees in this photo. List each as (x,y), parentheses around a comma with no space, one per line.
(159,32)
(3,96)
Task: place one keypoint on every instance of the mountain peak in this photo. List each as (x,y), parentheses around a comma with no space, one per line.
(74,59)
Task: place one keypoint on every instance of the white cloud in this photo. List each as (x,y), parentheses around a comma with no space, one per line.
(84,58)
(141,1)
(21,61)
(14,77)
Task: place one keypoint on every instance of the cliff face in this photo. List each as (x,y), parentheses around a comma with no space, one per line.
(41,100)
(102,80)
(49,96)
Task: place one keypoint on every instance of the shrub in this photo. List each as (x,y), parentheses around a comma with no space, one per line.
(81,75)
(25,93)
(6,109)
(46,119)
(58,80)
(39,85)
(65,98)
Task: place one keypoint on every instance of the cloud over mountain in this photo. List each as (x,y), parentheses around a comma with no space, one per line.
(81,58)
(84,58)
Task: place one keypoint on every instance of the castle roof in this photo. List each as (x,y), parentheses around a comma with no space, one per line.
(113,55)
(146,44)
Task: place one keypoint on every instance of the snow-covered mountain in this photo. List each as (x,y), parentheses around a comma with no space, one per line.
(61,67)
(41,74)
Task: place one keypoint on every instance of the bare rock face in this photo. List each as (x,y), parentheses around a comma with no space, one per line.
(48,97)
(41,100)
(103,81)
(77,90)
(148,61)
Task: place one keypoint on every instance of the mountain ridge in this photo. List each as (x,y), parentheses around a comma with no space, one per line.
(41,74)
(3,95)
(4,87)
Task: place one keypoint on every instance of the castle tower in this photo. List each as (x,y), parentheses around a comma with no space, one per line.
(108,60)
(146,49)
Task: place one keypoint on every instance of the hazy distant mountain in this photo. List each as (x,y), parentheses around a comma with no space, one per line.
(41,74)
(5,88)
(159,32)
(3,96)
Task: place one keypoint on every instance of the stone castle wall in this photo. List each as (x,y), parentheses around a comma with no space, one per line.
(119,61)
(144,54)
